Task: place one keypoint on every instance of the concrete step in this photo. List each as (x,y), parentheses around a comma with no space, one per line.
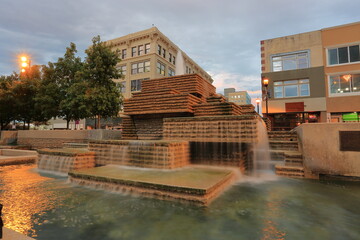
(290,171)
(284,145)
(282,136)
(293,159)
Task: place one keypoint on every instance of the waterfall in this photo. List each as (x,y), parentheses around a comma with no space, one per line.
(261,162)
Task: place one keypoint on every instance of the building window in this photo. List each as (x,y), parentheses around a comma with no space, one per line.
(133,51)
(164,53)
(160,68)
(122,70)
(173,60)
(344,55)
(136,85)
(171,72)
(188,70)
(347,83)
(170,57)
(140,67)
(159,50)
(284,62)
(122,87)
(140,50)
(292,88)
(147,48)
(123,53)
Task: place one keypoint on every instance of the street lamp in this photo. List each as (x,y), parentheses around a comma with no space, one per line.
(266,84)
(257,105)
(24,64)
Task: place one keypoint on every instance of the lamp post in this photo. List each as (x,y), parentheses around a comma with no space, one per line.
(257,105)
(24,64)
(266,84)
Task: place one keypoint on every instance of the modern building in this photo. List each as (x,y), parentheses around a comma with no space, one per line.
(238,97)
(312,77)
(149,54)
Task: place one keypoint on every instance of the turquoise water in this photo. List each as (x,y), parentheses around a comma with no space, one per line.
(47,207)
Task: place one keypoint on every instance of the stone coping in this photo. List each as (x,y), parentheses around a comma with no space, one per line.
(144,142)
(211,118)
(72,152)
(197,181)
(9,234)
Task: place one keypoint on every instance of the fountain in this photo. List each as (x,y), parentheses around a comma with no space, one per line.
(176,130)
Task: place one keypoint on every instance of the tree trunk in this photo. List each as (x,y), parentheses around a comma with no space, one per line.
(28,125)
(24,126)
(67,124)
(99,121)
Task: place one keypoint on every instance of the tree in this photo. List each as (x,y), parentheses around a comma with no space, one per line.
(7,100)
(99,71)
(24,91)
(62,91)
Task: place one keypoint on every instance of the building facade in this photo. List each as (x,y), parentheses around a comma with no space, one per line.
(149,54)
(238,97)
(304,73)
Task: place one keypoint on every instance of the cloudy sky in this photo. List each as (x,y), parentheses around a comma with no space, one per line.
(222,36)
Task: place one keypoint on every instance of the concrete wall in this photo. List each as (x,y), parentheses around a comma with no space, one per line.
(8,137)
(298,42)
(320,146)
(56,138)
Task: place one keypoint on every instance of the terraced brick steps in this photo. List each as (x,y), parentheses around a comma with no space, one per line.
(290,171)
(285,151)
(194,184)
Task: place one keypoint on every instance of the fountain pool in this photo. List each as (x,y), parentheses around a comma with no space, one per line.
(48,207)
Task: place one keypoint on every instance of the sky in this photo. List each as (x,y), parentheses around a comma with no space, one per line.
(222,36)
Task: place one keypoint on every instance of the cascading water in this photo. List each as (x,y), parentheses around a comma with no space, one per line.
(261,161)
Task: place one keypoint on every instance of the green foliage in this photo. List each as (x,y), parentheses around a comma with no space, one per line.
(69,88)
(99,72)
(7,100)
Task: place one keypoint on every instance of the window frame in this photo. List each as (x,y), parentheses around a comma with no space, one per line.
(291,83)
(351,84)
(349,55)
(147,48)
(143,65)
(140,50)
(160,68)
(123,53)
(281,57)
(133,51)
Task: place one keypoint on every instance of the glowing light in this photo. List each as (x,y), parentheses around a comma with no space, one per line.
(266,82)
(23,59)
(23,70)
(257,100)
(346,77)
(24,64)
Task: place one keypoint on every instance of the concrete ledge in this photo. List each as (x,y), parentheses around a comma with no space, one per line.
(9,234)
(198,185)
(13,157)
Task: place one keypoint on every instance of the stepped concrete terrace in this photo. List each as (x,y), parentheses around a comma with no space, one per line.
(172,124)
(13,156)
(196,184)
(65,159)
(287,158)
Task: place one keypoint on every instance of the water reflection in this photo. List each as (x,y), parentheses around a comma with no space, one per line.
(24,201)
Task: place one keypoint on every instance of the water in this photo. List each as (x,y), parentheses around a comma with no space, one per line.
(47,207)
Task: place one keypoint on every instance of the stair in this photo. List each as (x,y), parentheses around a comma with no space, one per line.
(285,152)
(290,171)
